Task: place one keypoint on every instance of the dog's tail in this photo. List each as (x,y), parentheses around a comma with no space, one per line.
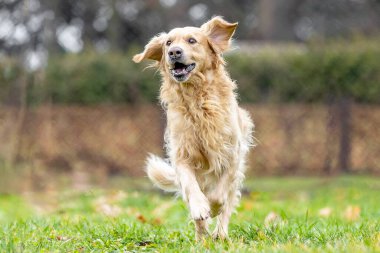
(161,173)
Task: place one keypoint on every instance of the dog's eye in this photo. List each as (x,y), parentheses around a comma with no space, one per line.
(192,41)
(168,43)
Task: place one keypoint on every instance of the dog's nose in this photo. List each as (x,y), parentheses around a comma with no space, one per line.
(175,53)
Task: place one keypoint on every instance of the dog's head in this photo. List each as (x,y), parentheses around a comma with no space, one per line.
(184,52)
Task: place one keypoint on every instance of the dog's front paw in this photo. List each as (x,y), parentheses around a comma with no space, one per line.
(200,209)
(220,234)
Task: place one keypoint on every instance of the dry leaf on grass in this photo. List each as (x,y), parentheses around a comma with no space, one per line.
(156,221)
(272,218)
(117,196)
(144,243)
(352,213)
(248,205)
(325,212)
(62,238)
(141,218)
(103,206)
(109,210)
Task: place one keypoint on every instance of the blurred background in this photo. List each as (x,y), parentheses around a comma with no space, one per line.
(75,108)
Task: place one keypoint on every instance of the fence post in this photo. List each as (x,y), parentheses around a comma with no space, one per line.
(344,114)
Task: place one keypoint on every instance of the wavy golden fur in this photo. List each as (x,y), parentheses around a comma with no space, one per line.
(208,135)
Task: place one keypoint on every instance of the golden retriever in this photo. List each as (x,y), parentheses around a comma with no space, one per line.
(208,135)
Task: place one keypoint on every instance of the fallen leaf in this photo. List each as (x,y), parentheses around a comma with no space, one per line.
(248,205)
(103,206)
(157,221)
(352,213)
(117,196)
(109,210)
(61,238)
(272,218)
(141,218)
(144,243)
(325,212)
(98,241)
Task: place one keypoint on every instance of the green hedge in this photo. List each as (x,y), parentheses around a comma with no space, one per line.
(313,73)
(91,78)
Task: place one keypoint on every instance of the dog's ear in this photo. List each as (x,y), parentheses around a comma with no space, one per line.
(219,33)
(152,50)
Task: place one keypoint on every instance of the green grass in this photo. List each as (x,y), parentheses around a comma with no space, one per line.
(144,220)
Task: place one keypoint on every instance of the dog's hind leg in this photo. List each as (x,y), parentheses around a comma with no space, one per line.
(227,194)
(201,229)
(223,219)
(222,202)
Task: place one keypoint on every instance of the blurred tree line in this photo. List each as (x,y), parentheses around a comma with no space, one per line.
(35,32)
(42,26)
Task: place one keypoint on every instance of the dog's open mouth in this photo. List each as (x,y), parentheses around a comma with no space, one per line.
(181,71)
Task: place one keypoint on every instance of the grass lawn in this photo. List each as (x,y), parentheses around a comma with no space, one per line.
(276,215)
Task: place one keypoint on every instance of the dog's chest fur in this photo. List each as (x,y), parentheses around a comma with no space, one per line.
(199,125)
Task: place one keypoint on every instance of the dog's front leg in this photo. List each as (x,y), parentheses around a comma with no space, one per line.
(194,197)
